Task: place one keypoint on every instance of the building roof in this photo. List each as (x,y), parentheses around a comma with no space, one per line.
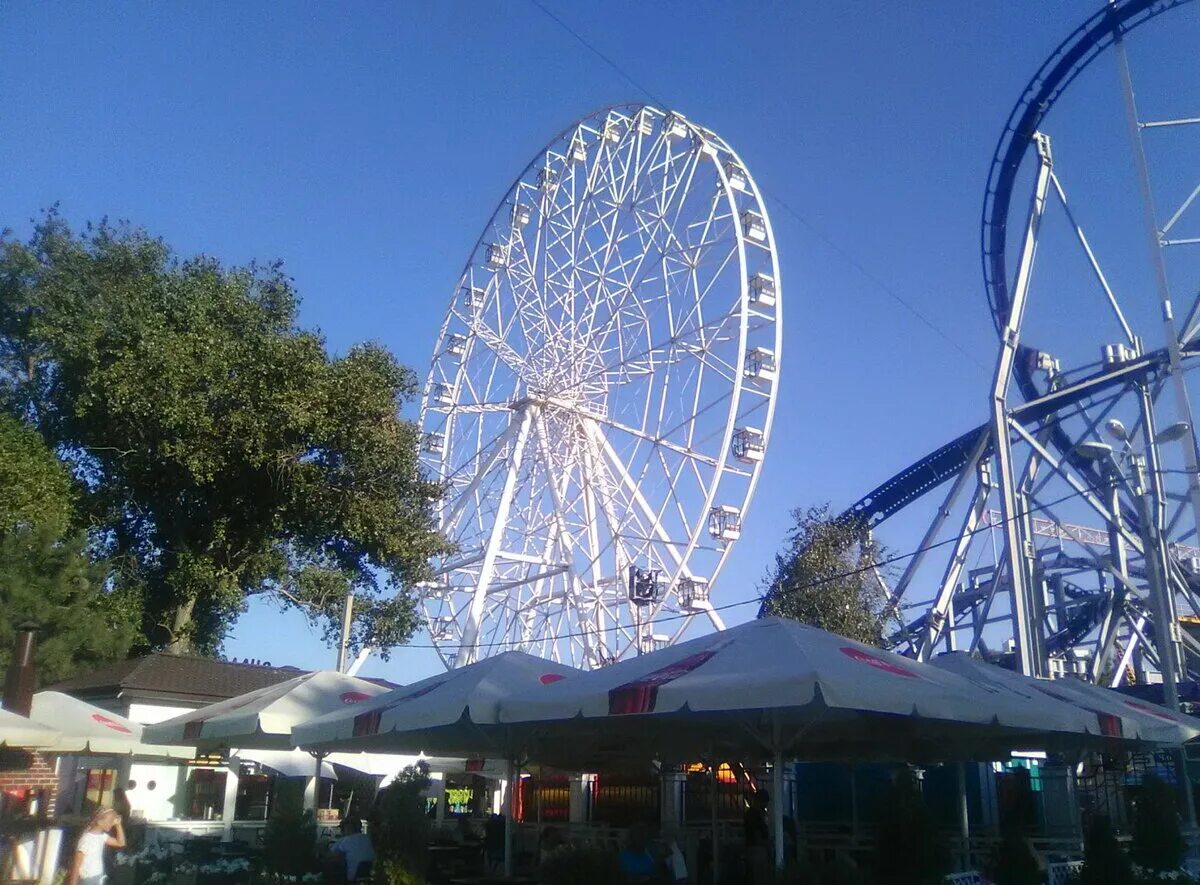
(183,679)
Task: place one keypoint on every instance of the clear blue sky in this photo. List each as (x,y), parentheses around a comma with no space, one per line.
(367,144)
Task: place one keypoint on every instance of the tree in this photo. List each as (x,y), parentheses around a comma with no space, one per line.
(47,577)
(826,577)
(223,453)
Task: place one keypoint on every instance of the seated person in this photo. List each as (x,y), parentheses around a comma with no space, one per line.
(636,862)
(355,847)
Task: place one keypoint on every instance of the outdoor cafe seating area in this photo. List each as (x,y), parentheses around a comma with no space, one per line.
(670,756)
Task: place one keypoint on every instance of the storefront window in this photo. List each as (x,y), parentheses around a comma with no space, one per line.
(206,794)
(99,790)
(254,795)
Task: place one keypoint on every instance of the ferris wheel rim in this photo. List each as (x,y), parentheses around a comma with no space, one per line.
(738,383)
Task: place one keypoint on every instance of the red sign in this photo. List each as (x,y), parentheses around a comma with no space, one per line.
(640,695)
(879,663)
(549,678)
(354,697)
(110,723)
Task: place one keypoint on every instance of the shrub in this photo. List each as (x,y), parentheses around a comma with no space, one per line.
(400,827)
(1158,842)
(580,865)
(290,838)
(1104,863)
(1015,861)
(911,849)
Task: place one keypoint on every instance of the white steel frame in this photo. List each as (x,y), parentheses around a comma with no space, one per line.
(586,386)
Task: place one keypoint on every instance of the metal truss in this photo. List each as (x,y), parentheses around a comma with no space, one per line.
(1066,534)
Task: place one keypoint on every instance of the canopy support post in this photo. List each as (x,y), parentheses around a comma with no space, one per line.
(777,806)
(712,804)
(964,815)
(509,773)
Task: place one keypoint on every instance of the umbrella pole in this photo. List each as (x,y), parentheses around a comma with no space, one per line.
(712,804)
(509,771)
(777,806)
(964,815)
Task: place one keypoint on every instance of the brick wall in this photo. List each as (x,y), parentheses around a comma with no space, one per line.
(39,775)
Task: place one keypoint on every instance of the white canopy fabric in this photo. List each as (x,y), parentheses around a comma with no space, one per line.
(263,719)
(289,763)
(19,732)
(86,728)
(782,687)
(1120,716)
(452,713)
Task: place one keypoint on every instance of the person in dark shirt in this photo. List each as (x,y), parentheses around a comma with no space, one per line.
(757,836)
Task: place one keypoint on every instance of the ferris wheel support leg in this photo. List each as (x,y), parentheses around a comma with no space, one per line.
(1012,504)
(468,648)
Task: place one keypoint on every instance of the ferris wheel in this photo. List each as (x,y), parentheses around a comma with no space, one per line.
(601,395)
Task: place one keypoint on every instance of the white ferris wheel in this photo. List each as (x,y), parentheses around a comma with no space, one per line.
(601,395)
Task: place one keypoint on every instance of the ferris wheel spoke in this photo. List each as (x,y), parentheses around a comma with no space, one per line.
(584,388)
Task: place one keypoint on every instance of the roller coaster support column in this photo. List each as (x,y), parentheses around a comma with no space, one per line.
(1012,504)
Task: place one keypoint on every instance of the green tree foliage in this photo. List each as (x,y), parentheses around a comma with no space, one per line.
(222,451)
(825,577)
(399,825)
(1158,842)
(35,488)
(47,578)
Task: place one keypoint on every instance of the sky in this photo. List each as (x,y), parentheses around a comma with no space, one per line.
(366,145)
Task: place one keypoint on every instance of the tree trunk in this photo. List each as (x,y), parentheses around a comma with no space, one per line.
(181,629)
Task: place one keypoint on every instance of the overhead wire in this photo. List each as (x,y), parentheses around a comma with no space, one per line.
(844,254)
(760,598)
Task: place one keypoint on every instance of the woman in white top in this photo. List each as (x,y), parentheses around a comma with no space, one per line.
(87,866)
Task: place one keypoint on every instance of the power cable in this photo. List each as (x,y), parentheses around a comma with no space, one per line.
(758,600)
(784,205)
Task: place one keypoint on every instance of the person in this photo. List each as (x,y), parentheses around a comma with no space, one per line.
(103,830)
(757,836)
(356,849)
(636,862)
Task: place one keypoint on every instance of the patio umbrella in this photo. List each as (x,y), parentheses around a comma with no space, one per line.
(452,713)
(263,719)
(1120,716)
(86,728)
(18,732)
(781,688)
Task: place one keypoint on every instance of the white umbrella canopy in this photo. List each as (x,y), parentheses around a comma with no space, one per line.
(263,719)
(21,733)
(86,728)
(452,713)
(777,686)
(1119,716)
(289,763)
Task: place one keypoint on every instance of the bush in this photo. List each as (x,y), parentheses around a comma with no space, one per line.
(580,865)
(1104,863)
(400,827)
(911,849)
(1016,862)
(1158,842)
(290,839)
